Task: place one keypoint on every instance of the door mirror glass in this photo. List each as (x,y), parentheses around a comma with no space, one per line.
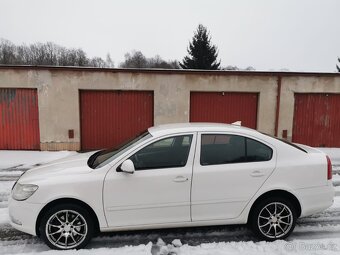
(128,166)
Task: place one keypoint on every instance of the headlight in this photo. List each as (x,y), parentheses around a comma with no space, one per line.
(23,191)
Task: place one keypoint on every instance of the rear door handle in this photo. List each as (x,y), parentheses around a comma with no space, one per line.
(181,179)
(257,173)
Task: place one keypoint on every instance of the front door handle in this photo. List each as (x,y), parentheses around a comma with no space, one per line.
(257,173)
(181,179)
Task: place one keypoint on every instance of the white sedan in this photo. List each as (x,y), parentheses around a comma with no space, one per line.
(177,175)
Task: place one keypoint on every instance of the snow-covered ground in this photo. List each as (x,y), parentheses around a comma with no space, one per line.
(13,163)
(334,154)
(317,234)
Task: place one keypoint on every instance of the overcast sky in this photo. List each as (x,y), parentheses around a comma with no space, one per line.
(299,35)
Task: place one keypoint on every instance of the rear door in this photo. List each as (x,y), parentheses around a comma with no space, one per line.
(228,170)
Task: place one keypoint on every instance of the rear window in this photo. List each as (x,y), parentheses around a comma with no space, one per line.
(286,142)
(257,151)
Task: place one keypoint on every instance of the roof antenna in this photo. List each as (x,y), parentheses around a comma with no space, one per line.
(237,123)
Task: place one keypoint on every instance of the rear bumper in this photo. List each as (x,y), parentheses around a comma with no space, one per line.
(316,199)
(23,215)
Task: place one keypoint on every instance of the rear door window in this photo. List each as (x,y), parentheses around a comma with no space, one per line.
(227,149)
(222,149)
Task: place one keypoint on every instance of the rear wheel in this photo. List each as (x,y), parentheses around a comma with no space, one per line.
(273,218)
(66,226)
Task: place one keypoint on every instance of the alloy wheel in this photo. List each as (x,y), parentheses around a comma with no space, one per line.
(66,229)
(275,220)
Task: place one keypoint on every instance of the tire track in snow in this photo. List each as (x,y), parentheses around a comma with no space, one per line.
(307,228)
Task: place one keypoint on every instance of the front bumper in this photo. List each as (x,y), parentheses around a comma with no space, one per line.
(23,215)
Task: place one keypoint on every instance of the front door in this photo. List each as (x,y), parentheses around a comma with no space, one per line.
(158,192)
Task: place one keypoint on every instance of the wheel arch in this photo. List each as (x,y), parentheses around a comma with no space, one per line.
(278,193)
(53,203)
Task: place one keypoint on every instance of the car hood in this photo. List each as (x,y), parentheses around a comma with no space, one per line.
(72,165)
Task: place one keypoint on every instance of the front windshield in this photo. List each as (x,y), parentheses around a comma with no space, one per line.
(101,158)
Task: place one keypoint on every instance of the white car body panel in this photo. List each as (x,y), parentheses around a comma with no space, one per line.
(26,213)
(151,199)
(55,181)
(230,186)
(144,197)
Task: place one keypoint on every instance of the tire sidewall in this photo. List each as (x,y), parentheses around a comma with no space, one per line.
(73,207)
(256,211)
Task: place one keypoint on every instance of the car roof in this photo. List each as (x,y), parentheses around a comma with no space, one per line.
(196,127)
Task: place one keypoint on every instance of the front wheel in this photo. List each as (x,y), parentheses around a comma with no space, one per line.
(66,226)
(273,218)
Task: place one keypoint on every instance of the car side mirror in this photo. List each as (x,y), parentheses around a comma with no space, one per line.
(128,166)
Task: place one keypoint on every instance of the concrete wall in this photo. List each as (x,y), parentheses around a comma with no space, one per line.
(58,94)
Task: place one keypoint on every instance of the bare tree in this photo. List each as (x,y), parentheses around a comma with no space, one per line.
(109,62)
(47,54)
(7,52)
(136,59)
(235,68)
(97,62)
(158,62)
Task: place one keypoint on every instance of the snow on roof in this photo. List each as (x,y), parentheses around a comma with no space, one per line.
(173,71)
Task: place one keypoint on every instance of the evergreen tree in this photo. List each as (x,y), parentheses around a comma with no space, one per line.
(201,53)
(338,67)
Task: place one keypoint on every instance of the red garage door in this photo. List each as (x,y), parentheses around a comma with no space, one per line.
(224,107)
(109,118)
(19,119)
(317,120)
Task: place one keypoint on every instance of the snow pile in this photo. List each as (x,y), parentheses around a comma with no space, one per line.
(336,183)
(161,248)
(29,159)
(35,248)
(333,153)
(5,190)
(176,243)
(13,163)
(301,247)
(4,218)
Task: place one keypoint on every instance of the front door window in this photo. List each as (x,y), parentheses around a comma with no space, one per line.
(166,153)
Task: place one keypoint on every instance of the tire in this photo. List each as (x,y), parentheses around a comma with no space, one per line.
(271,224)
(66,226)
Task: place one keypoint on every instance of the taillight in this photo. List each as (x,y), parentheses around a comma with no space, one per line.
(329,168)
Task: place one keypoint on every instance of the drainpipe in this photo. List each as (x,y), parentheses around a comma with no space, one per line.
(278,97)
